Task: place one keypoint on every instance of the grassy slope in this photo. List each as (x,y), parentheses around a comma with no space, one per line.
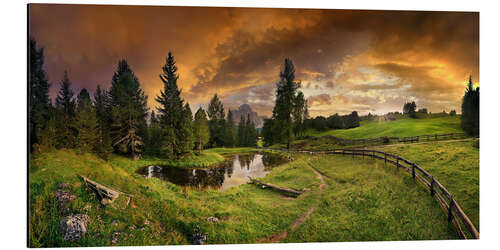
(400,127)
(454,164)
(248,213)
(367,200)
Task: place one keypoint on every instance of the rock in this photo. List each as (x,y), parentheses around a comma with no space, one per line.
(213,219)
(62,185)
(63,199)
(116,236)
(74,226)
(199,238)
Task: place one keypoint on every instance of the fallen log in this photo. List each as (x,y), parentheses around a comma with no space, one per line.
(280,189)
(105,193)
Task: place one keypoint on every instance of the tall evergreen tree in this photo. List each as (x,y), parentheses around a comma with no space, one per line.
(200,129)
(470,109)
(299,113)
(173,114)
(103,114)
(65,103)
(267,132)
(216,124)
(86,123)
(128,111)
(286,91)
(242,132)
(250,133)
(229,129)
(39,101)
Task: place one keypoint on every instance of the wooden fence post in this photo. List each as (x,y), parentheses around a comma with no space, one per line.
(435,137)
(385,157)
(413,170)
(397,162)
(450,208)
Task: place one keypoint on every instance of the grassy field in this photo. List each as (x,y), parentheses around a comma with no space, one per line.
(397,128)
(356,197)
(366,200)
(454,164)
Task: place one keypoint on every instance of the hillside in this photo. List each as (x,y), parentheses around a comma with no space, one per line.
(397,128)
(163,213)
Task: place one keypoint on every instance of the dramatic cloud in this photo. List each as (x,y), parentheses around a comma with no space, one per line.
(368,61)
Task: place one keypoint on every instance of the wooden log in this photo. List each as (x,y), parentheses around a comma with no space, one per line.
(281,189)
(103,191)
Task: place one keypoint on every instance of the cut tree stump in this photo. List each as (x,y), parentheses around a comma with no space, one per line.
(284,190)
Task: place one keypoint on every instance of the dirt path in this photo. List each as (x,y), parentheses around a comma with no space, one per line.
(297,222)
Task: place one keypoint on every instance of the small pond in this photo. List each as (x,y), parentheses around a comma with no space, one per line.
(232,172)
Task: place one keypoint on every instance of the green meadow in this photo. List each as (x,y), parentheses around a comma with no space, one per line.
(454,163)
(397,128)
(361,200)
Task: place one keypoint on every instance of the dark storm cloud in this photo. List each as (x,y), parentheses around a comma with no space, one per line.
(374,59)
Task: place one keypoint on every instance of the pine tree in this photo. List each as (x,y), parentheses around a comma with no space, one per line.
(299,113)
(66,105)
(39,101)
(242,132)
(103,114)
(229,129)
(174,117)
(216,124)
(200,129)
(470,109)
(86,123)
(128,111)
(286,91)
(250,133)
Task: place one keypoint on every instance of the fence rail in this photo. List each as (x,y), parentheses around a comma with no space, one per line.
(387,139)
(455,214)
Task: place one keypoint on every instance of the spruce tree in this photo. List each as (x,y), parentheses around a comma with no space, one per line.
(286,91)
(39,101)
(229,130)
(216,124)
(86,123)
(250,133)
(200,129)
(66,106)
(242,132)
(128,111)
(103,114)
(470,109)
(174,117)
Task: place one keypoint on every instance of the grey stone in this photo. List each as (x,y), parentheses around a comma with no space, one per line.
(74,226)
(199,238)
(213,219)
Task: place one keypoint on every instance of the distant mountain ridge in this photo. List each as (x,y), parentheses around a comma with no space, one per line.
(245,109)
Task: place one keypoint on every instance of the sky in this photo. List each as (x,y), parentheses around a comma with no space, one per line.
(346,60)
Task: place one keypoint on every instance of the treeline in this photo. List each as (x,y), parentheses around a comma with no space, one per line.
(116,119)
(336,121)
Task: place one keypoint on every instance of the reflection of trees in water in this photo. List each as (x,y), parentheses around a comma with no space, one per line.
(213,177)
(246,160)
(270,160)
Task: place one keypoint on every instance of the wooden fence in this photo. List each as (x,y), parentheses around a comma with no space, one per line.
(387,140)
(456,215)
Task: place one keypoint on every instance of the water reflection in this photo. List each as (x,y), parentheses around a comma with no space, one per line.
(232,172)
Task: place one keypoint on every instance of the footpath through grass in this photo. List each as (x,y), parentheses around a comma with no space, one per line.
(454,164)
(397,128)
(364,201)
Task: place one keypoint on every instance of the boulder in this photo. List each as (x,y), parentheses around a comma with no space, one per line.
(213,219)
(199,238)
(74,226)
